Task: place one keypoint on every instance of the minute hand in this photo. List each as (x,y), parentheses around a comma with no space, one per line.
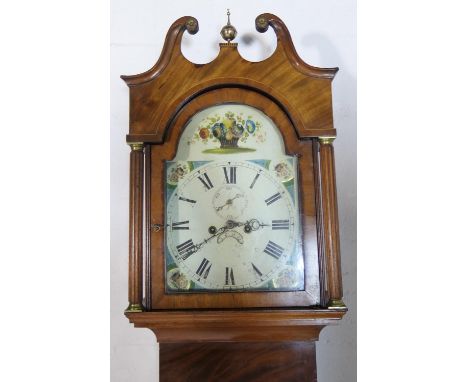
(218,232)
(197,247)
(252,224)
(228,202)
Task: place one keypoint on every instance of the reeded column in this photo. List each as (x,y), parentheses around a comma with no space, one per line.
(331,236)
(135,243)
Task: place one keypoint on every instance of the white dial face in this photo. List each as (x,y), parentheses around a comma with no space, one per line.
(232,225)
(232,214)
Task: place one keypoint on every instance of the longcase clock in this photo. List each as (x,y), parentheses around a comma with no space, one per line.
(234,258)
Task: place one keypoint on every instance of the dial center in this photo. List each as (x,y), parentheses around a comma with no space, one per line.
(229,202)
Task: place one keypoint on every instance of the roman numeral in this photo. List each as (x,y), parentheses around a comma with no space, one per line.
(180,225)
(187,200)
(203,268)
(280,224)
(186,249)
(206,182)
(255,179)
(273,198)
(257,271)
(231,178)
(229,276)
(274,250)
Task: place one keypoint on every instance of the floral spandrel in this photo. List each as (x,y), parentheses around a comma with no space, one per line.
(224,133)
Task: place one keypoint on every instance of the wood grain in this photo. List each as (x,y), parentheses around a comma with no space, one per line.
(303,91)
(324,297)
(147,183)
(135,261)
(239,362)
(331,237)
(237,325)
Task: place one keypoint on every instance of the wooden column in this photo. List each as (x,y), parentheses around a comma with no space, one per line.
(135,243)
(331,237)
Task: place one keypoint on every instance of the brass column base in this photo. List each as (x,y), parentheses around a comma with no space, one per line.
(337,304)
(134,308)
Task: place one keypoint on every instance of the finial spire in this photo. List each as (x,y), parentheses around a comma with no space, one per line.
(228,32)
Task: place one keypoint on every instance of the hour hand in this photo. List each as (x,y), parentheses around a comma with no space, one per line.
(249,225)
(196,247)
(228,202)
(188,248)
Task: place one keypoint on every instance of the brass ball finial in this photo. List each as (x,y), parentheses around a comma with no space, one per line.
(191,25)
(228,32)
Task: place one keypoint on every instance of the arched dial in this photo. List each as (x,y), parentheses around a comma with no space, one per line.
(231,225)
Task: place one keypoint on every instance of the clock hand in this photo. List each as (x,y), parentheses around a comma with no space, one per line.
(228,202)
(198,246)
(235,197)
(218,232)
(252,224)
(249,225)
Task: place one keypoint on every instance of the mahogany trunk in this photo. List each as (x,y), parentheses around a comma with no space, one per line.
(237,362)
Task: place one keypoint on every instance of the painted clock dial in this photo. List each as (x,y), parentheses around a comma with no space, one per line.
(232,214)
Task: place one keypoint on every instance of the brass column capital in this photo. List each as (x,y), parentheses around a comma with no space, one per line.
(326,140)
(136,146)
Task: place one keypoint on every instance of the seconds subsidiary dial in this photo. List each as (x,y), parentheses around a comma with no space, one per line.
(230,226)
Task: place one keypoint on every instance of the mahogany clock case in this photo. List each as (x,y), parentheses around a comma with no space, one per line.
(279,327)
(297,98)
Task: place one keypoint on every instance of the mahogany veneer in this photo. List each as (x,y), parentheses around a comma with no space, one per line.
(238,362)
(236,325)
(233,336)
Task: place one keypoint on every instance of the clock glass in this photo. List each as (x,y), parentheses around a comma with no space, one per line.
(232,206)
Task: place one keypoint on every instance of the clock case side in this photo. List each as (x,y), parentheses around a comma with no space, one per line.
(161,95)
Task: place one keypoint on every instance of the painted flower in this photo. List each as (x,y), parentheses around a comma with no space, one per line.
(260,136)
(283,171)
(286,279)
(237,130)
(204,133)
(178,172)
(179,281)
(218,130)
(250,126)
(228,129)
(229,123)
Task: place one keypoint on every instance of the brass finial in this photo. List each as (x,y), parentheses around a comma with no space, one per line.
(228,32)
(192,25)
